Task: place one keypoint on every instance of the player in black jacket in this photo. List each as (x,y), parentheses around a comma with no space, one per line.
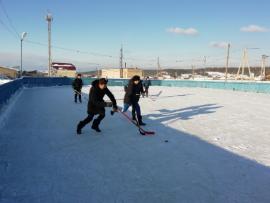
(96,104)
(132,97)
(77,87)
(147,84)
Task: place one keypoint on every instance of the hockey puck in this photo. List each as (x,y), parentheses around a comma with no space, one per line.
(166,141)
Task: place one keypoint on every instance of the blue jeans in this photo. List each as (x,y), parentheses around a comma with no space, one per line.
(135,106)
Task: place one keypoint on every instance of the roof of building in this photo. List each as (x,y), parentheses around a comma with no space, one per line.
(13,69)
(63,66)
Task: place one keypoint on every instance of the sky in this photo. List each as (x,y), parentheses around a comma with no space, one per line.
(89,33)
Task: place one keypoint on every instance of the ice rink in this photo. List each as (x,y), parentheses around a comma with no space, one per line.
(218,149)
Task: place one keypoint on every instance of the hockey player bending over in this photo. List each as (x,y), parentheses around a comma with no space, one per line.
(96,104)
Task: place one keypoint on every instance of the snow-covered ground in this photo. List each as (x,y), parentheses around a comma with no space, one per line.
(3,81)
(218,149)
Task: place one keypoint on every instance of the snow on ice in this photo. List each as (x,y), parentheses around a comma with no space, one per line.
(217,149)
(3,81)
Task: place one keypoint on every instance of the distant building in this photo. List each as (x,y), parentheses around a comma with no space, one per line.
(34,73)
(63,70)
(9,72)
(116,72)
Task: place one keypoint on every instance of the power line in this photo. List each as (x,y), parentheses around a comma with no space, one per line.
(8,29)
(71,50)
(9,19)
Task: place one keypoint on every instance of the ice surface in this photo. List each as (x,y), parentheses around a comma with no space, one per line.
(218,149)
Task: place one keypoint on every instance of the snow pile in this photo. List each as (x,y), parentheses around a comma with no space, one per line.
(3,81)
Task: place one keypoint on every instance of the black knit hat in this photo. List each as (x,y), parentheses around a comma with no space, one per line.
(136,78)
(103,81)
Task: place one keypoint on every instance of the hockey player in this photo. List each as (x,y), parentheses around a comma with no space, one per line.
(146,84)
(132,97)
(96,104)
(77,87)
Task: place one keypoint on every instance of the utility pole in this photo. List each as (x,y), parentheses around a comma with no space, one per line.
(227,61)
(193,71)
(263,76)
(121,62)
(22,38)
(49,19)
(21,68)
(158,67)
(204,65)
(243,65)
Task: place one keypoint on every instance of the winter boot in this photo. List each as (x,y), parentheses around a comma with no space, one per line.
(95,126)
(140,122)
(79,127)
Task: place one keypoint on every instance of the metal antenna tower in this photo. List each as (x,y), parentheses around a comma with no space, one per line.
(244,64)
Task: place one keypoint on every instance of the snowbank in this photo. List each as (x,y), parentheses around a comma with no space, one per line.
(3,81)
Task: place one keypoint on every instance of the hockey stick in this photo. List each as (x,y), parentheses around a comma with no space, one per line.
(141,130)
(81,94)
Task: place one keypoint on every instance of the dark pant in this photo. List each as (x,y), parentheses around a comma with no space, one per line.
(78,93)
(90,117)
(135,108)
(146,91)
(133,113)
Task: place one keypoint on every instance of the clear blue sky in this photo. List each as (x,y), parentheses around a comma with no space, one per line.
(146,29)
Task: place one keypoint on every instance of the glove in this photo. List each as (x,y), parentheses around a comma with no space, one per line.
(115,109)
(109,104)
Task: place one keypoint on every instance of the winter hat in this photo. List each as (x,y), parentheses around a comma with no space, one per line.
(103,81)
(136,78)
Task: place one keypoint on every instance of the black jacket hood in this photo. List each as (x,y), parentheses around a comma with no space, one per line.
(95,83)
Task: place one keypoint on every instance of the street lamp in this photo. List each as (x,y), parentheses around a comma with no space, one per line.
(23,36)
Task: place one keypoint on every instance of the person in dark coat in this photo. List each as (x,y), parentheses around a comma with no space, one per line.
(147,84)
(77,85)
(96,104)
(132,97)
(133,110)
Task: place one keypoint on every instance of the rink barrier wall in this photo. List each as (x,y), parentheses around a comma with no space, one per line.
(46,82)
(8,89)
(258,87)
